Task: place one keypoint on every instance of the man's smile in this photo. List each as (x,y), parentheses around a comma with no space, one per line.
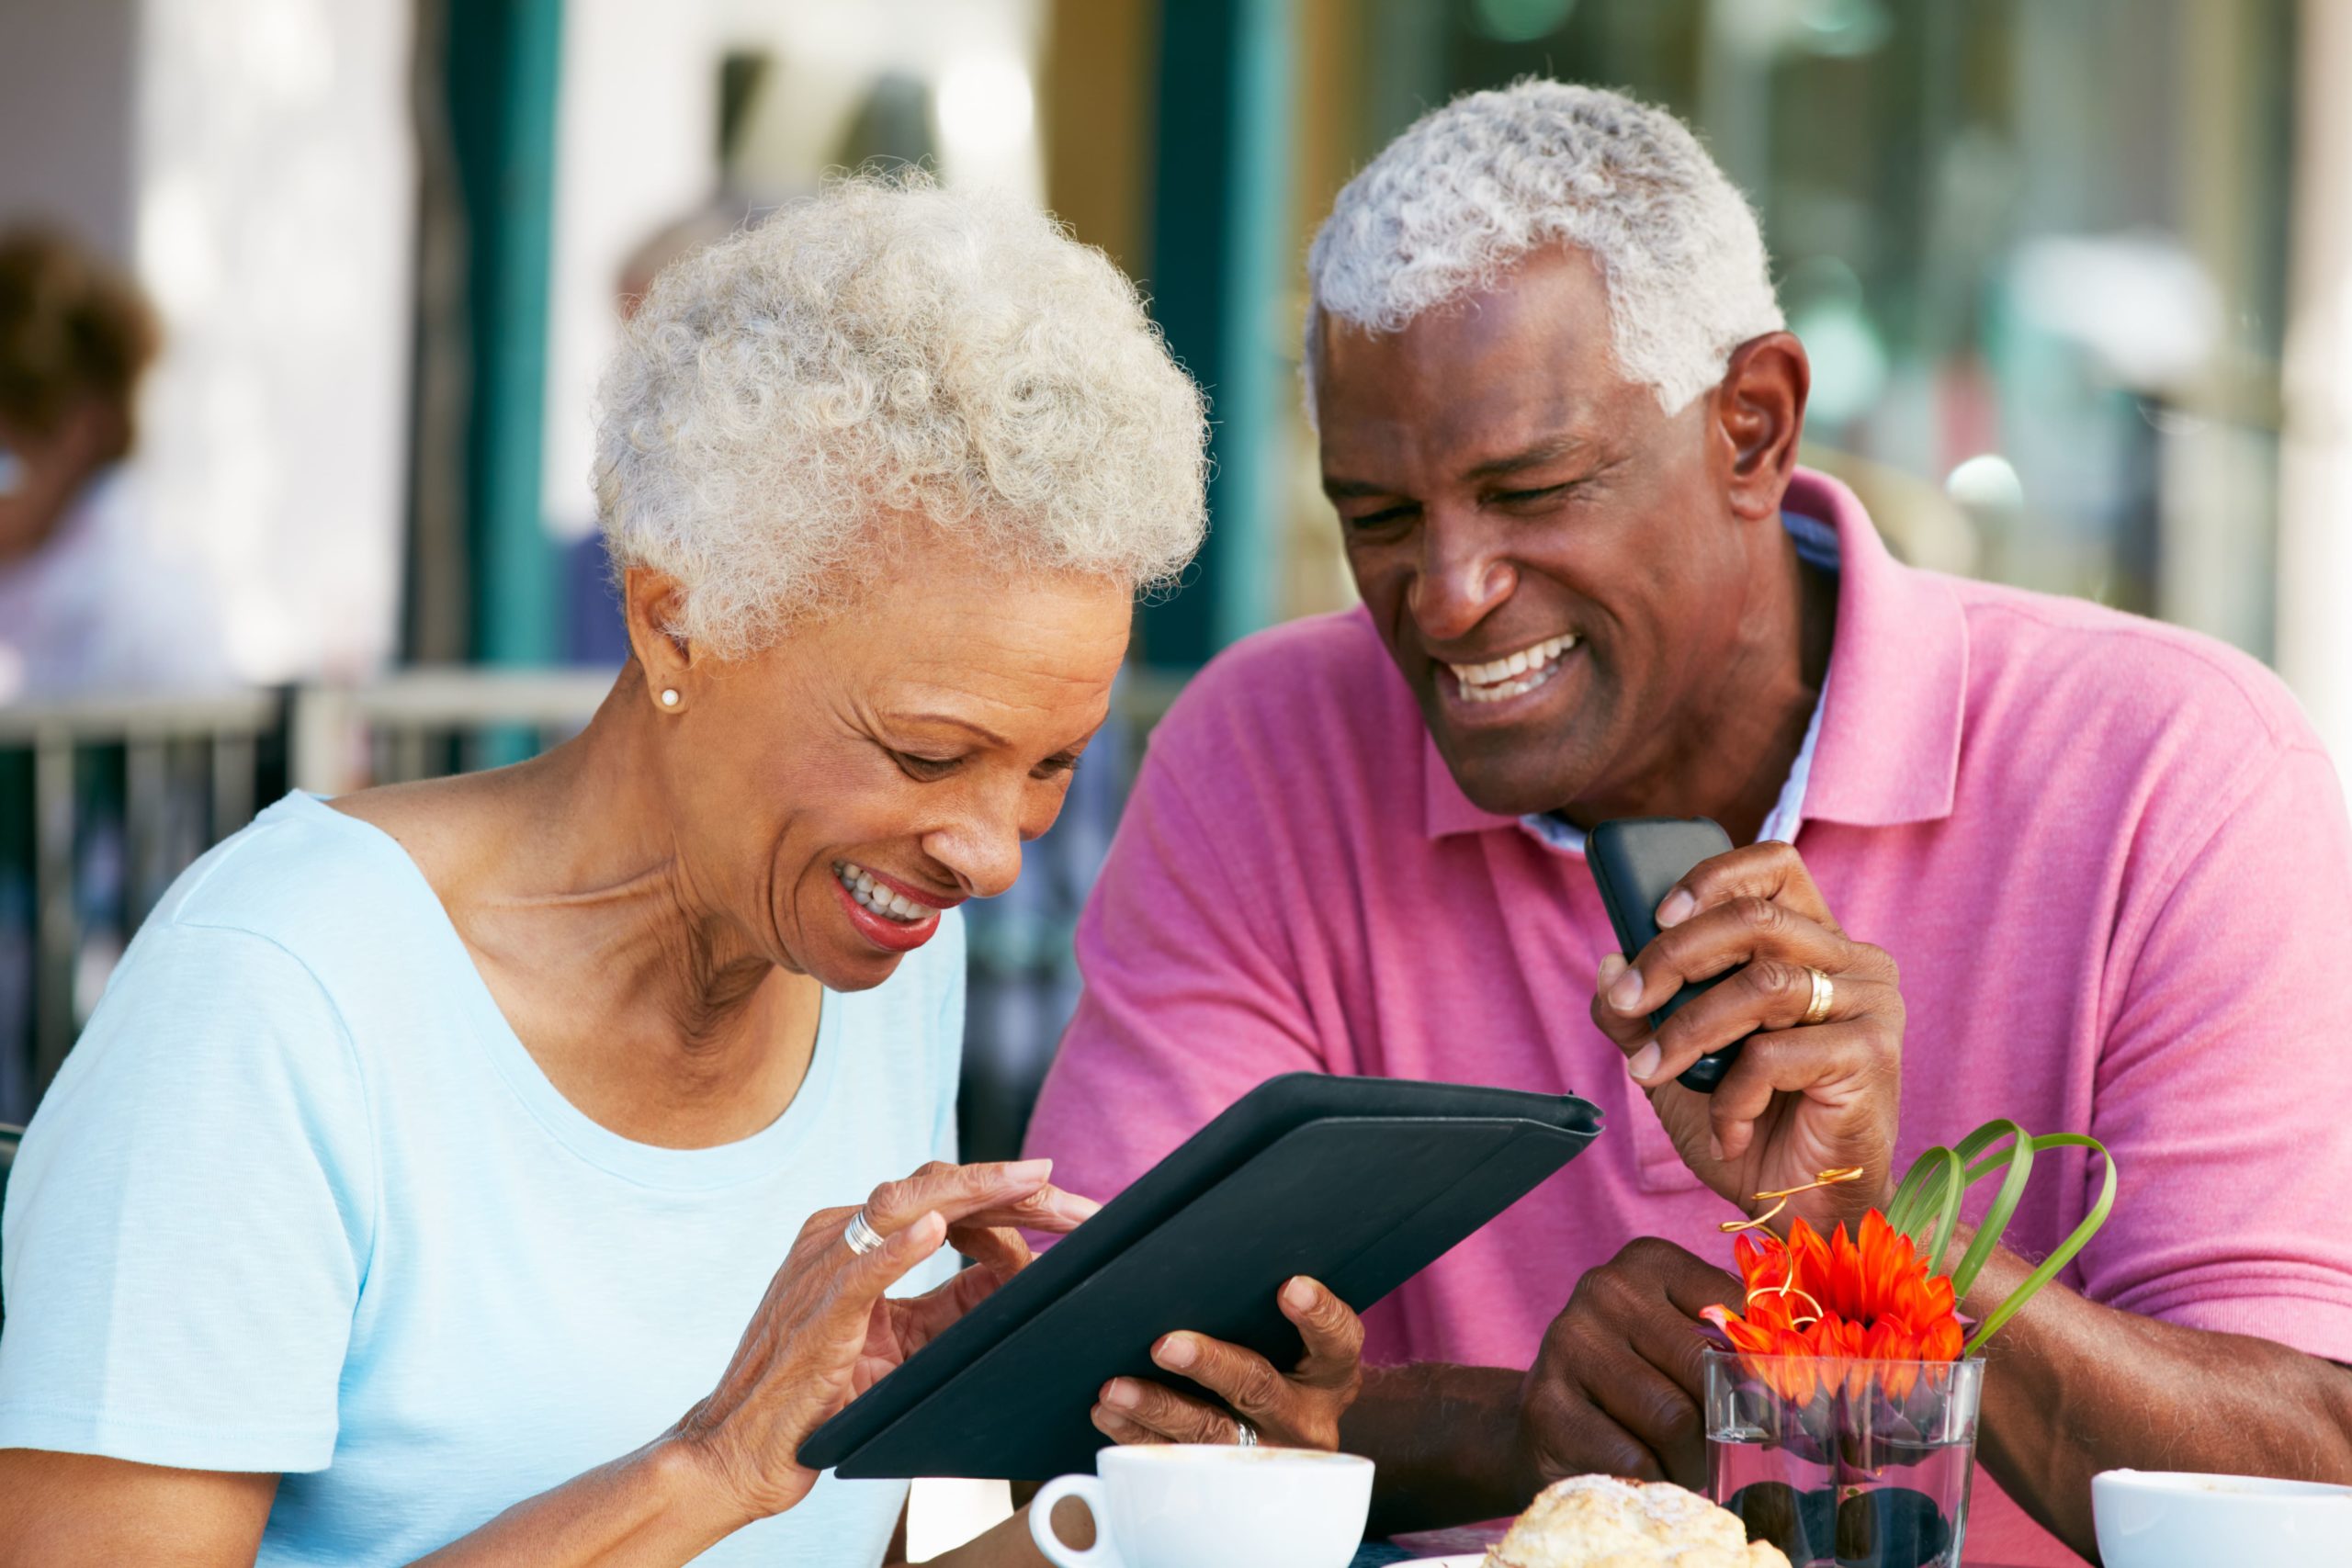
(1513,674)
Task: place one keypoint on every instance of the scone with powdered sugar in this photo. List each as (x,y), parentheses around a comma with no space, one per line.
(1599,1521)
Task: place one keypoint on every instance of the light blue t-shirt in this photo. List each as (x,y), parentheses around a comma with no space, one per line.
(300,1202)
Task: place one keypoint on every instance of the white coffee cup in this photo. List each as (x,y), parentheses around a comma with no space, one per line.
(2174,1519)
(1185,1505)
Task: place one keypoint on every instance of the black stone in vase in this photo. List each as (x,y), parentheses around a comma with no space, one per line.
(1890,1526)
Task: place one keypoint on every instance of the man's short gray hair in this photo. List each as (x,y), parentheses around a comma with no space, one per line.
(1473,187)
(889,351)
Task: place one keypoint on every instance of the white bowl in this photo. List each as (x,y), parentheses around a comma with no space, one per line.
(2149,1519)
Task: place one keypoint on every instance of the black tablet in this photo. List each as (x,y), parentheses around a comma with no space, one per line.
(1358,1182)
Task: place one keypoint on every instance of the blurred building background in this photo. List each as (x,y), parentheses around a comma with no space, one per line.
(2075,276)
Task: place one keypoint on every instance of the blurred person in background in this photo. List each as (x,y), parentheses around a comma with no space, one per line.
(420,1184)
(1559,419)
(595,631)
(89,604)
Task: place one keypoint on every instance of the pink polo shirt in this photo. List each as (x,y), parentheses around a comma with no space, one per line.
(2109,856)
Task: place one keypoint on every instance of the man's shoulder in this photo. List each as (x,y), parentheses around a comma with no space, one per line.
(1306,723)
(2093,670)
(1299,686)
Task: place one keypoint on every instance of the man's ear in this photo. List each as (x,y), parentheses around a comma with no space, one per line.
(650,603)
(1759,408)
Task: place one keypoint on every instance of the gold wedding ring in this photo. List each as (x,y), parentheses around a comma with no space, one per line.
(861,1235)
(1824,996)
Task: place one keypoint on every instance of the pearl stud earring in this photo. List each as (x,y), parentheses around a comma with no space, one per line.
(669,696)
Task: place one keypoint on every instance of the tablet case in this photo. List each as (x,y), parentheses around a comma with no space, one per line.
(1358,1182)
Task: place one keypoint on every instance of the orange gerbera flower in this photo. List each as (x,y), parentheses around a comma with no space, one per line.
(1866,1300)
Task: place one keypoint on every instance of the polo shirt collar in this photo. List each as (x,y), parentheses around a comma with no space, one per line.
(1888,746)
(1891,735)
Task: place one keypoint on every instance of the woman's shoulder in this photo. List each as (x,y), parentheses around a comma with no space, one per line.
(305,877)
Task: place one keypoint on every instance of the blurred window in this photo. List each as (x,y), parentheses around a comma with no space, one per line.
(2036,248)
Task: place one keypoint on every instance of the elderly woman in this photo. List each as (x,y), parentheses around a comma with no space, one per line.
(421,1184)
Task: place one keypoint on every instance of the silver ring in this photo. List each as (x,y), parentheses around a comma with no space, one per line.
(860,1235)
(1824,996)
(1244,1434)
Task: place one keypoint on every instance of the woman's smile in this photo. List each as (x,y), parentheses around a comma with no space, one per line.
(887,912)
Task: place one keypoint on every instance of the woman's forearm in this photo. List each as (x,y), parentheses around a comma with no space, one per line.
(651,1509)
(2073,1388)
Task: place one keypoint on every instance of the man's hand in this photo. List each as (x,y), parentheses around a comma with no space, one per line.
(1298,1409)
(1617,1387)
(1802,1098)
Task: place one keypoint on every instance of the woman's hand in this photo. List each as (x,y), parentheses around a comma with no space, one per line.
(825,1333)
(1804,1097)
(1300,1409)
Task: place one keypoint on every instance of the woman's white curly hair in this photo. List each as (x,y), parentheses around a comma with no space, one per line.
(783,402)
(1473,187)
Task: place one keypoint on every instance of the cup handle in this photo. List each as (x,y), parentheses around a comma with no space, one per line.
(1087,1489)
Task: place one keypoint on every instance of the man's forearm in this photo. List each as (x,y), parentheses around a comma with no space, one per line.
(1009,1544)
(1446,1441)
(2073,1388)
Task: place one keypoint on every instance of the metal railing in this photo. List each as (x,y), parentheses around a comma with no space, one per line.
(192,770)
(189,772)
(417,724)
(168,777)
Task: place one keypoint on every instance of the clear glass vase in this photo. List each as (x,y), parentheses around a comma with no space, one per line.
(1845,1463)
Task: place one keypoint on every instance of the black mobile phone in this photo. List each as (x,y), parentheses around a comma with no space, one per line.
(1635,861)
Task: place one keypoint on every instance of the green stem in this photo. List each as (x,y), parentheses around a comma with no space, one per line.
(1926,1207)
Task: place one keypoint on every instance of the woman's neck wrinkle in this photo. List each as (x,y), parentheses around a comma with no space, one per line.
(710,979)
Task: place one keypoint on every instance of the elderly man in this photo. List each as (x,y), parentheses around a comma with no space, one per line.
(2056,864)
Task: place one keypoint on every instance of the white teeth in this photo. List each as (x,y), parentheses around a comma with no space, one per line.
(878,897)
(1513,675)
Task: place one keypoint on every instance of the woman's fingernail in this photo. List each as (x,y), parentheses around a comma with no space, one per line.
(1645,1062)
(1611,965)
(1715,1147)
(1175,1352)
(1676,907)
(1029,1170)
(1119,1393)
(1625,994)
(1299,1293)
